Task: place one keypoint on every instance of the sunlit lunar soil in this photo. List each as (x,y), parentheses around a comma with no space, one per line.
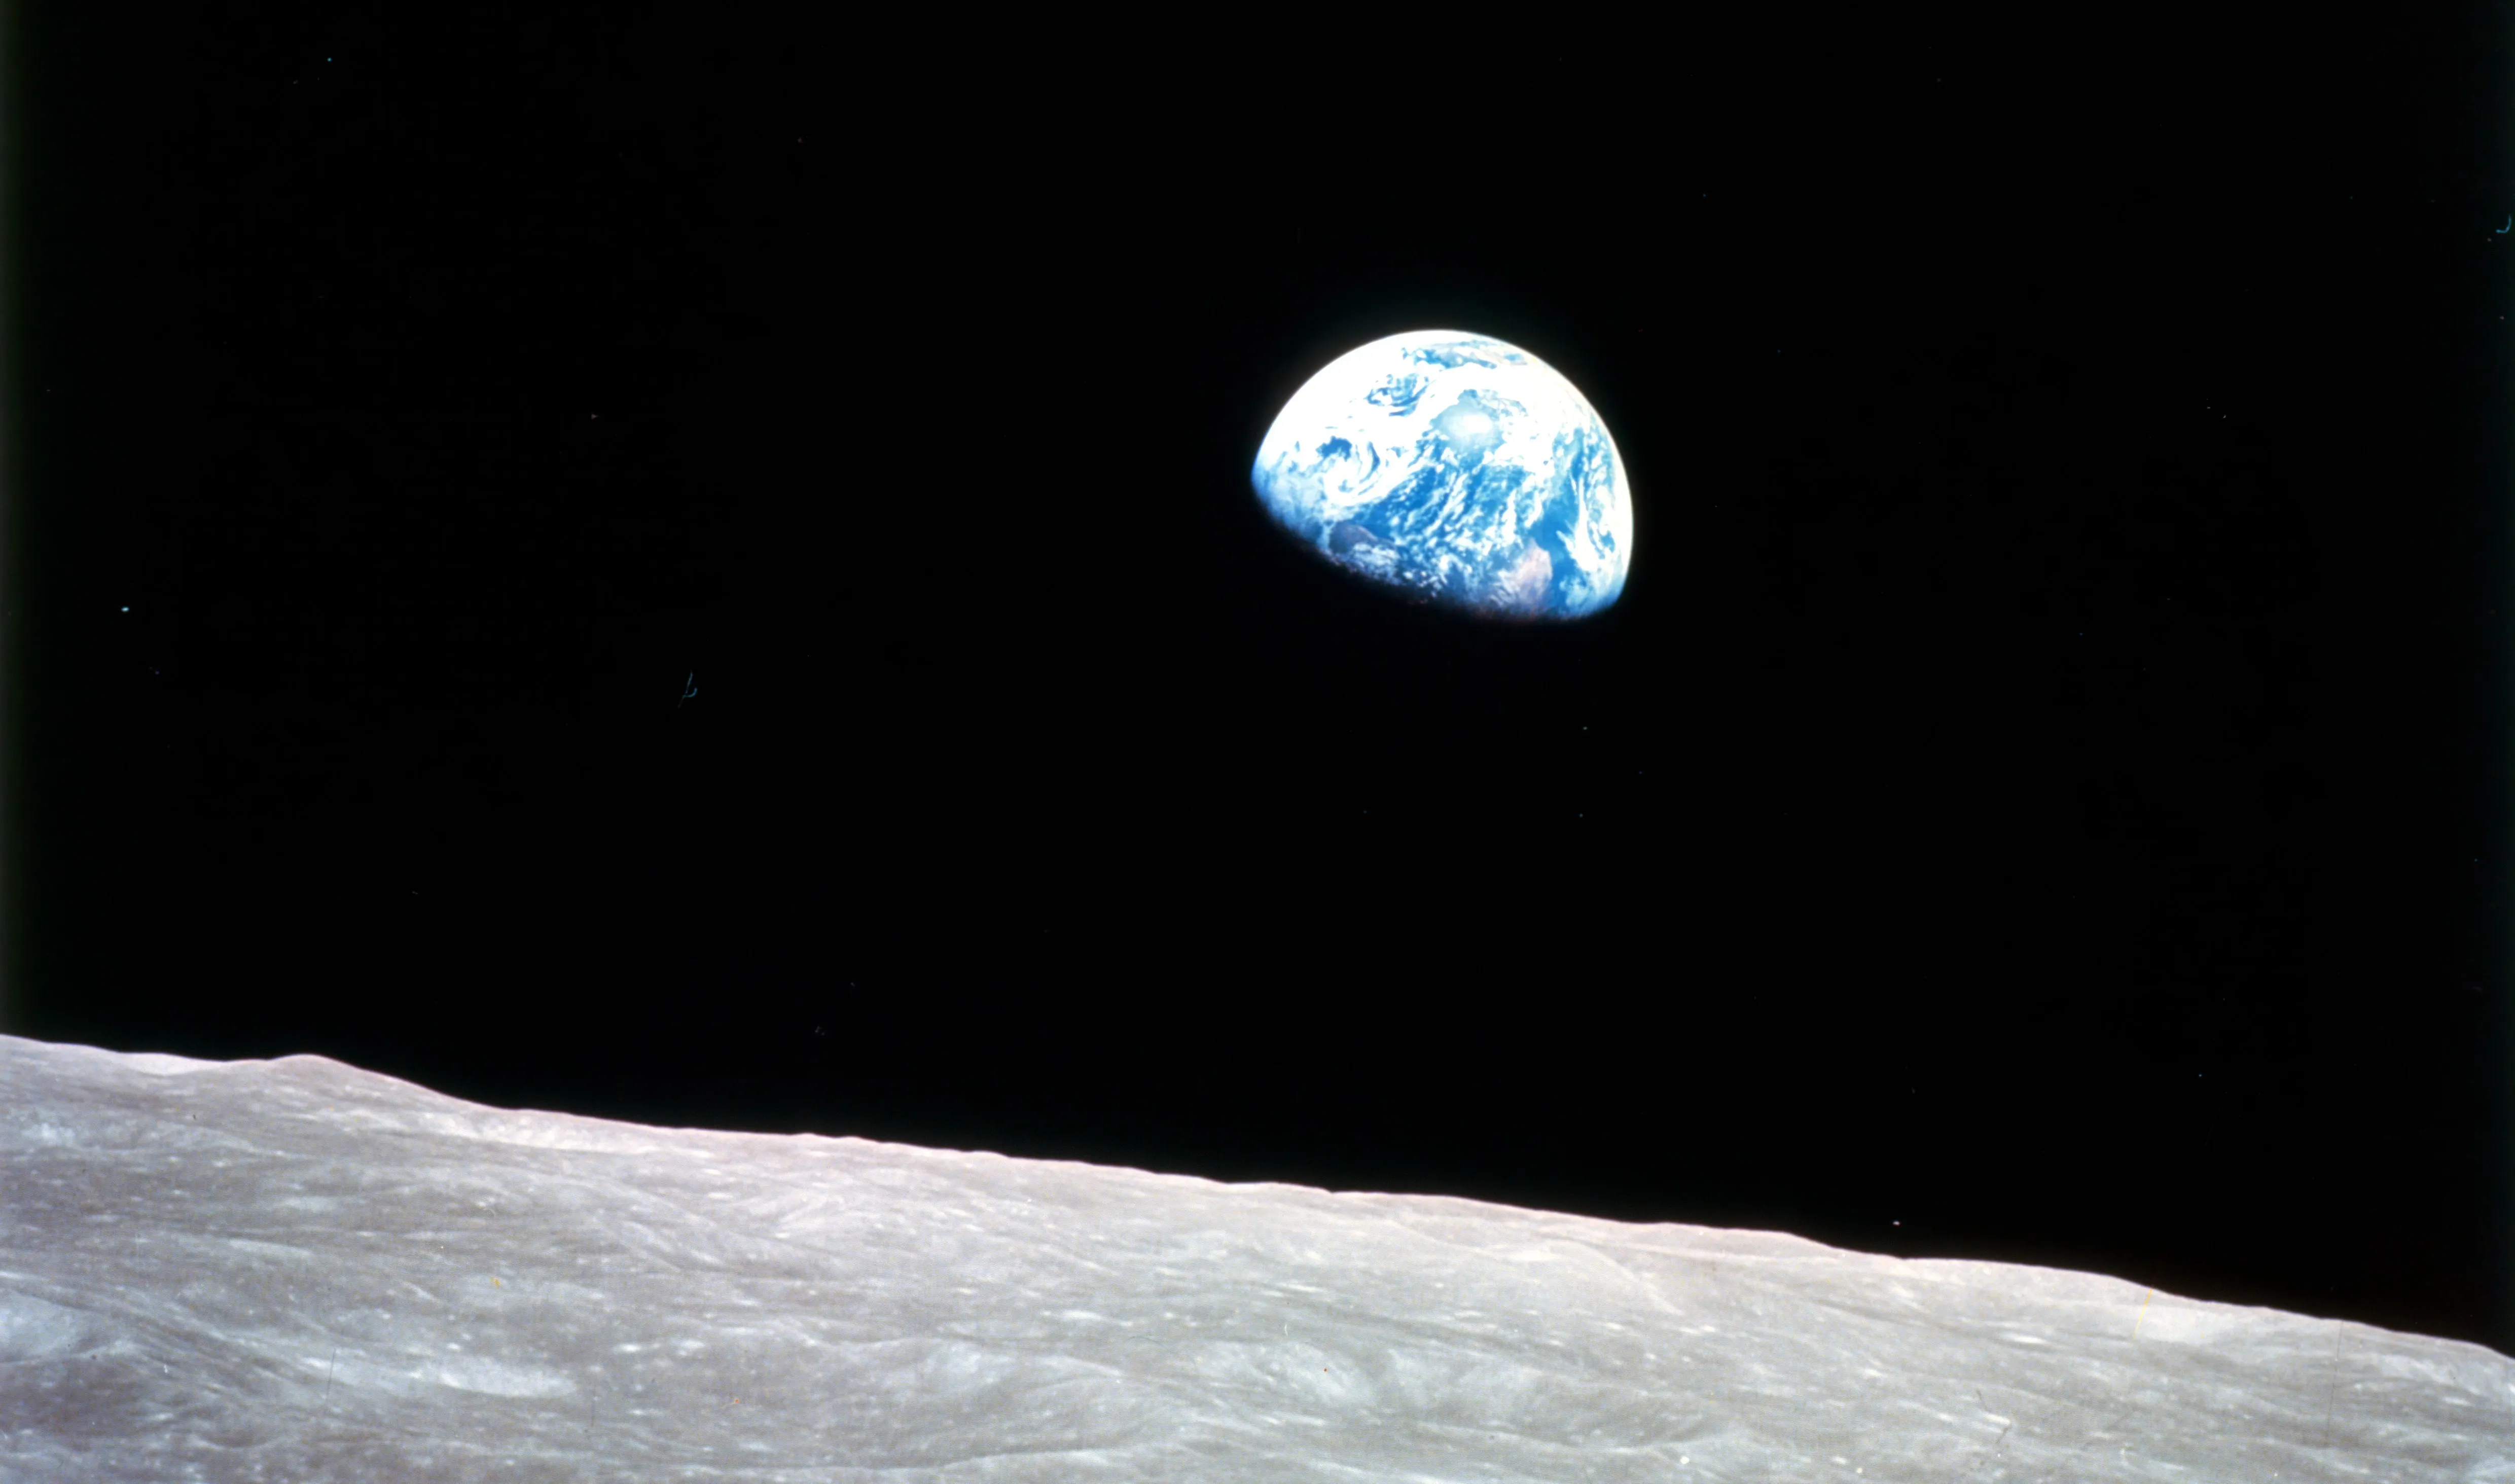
(297,1271)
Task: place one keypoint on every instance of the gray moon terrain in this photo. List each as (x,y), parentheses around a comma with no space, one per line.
(298,1270)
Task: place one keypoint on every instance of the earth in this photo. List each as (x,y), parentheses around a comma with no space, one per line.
(1458,470)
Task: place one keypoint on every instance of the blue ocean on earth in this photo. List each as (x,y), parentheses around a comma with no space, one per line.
(1458,470)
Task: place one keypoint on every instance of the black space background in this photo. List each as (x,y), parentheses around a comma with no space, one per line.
(2043,786)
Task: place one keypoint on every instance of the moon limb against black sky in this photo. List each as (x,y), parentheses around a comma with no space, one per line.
(2038,797)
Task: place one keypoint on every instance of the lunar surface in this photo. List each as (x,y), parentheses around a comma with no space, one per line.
(297,1271)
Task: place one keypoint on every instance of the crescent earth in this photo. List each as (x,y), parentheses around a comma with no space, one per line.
(1458,470)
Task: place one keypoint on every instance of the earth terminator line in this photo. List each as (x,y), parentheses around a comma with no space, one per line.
(1458,470)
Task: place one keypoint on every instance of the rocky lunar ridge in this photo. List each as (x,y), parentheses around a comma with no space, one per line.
(297,1271)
